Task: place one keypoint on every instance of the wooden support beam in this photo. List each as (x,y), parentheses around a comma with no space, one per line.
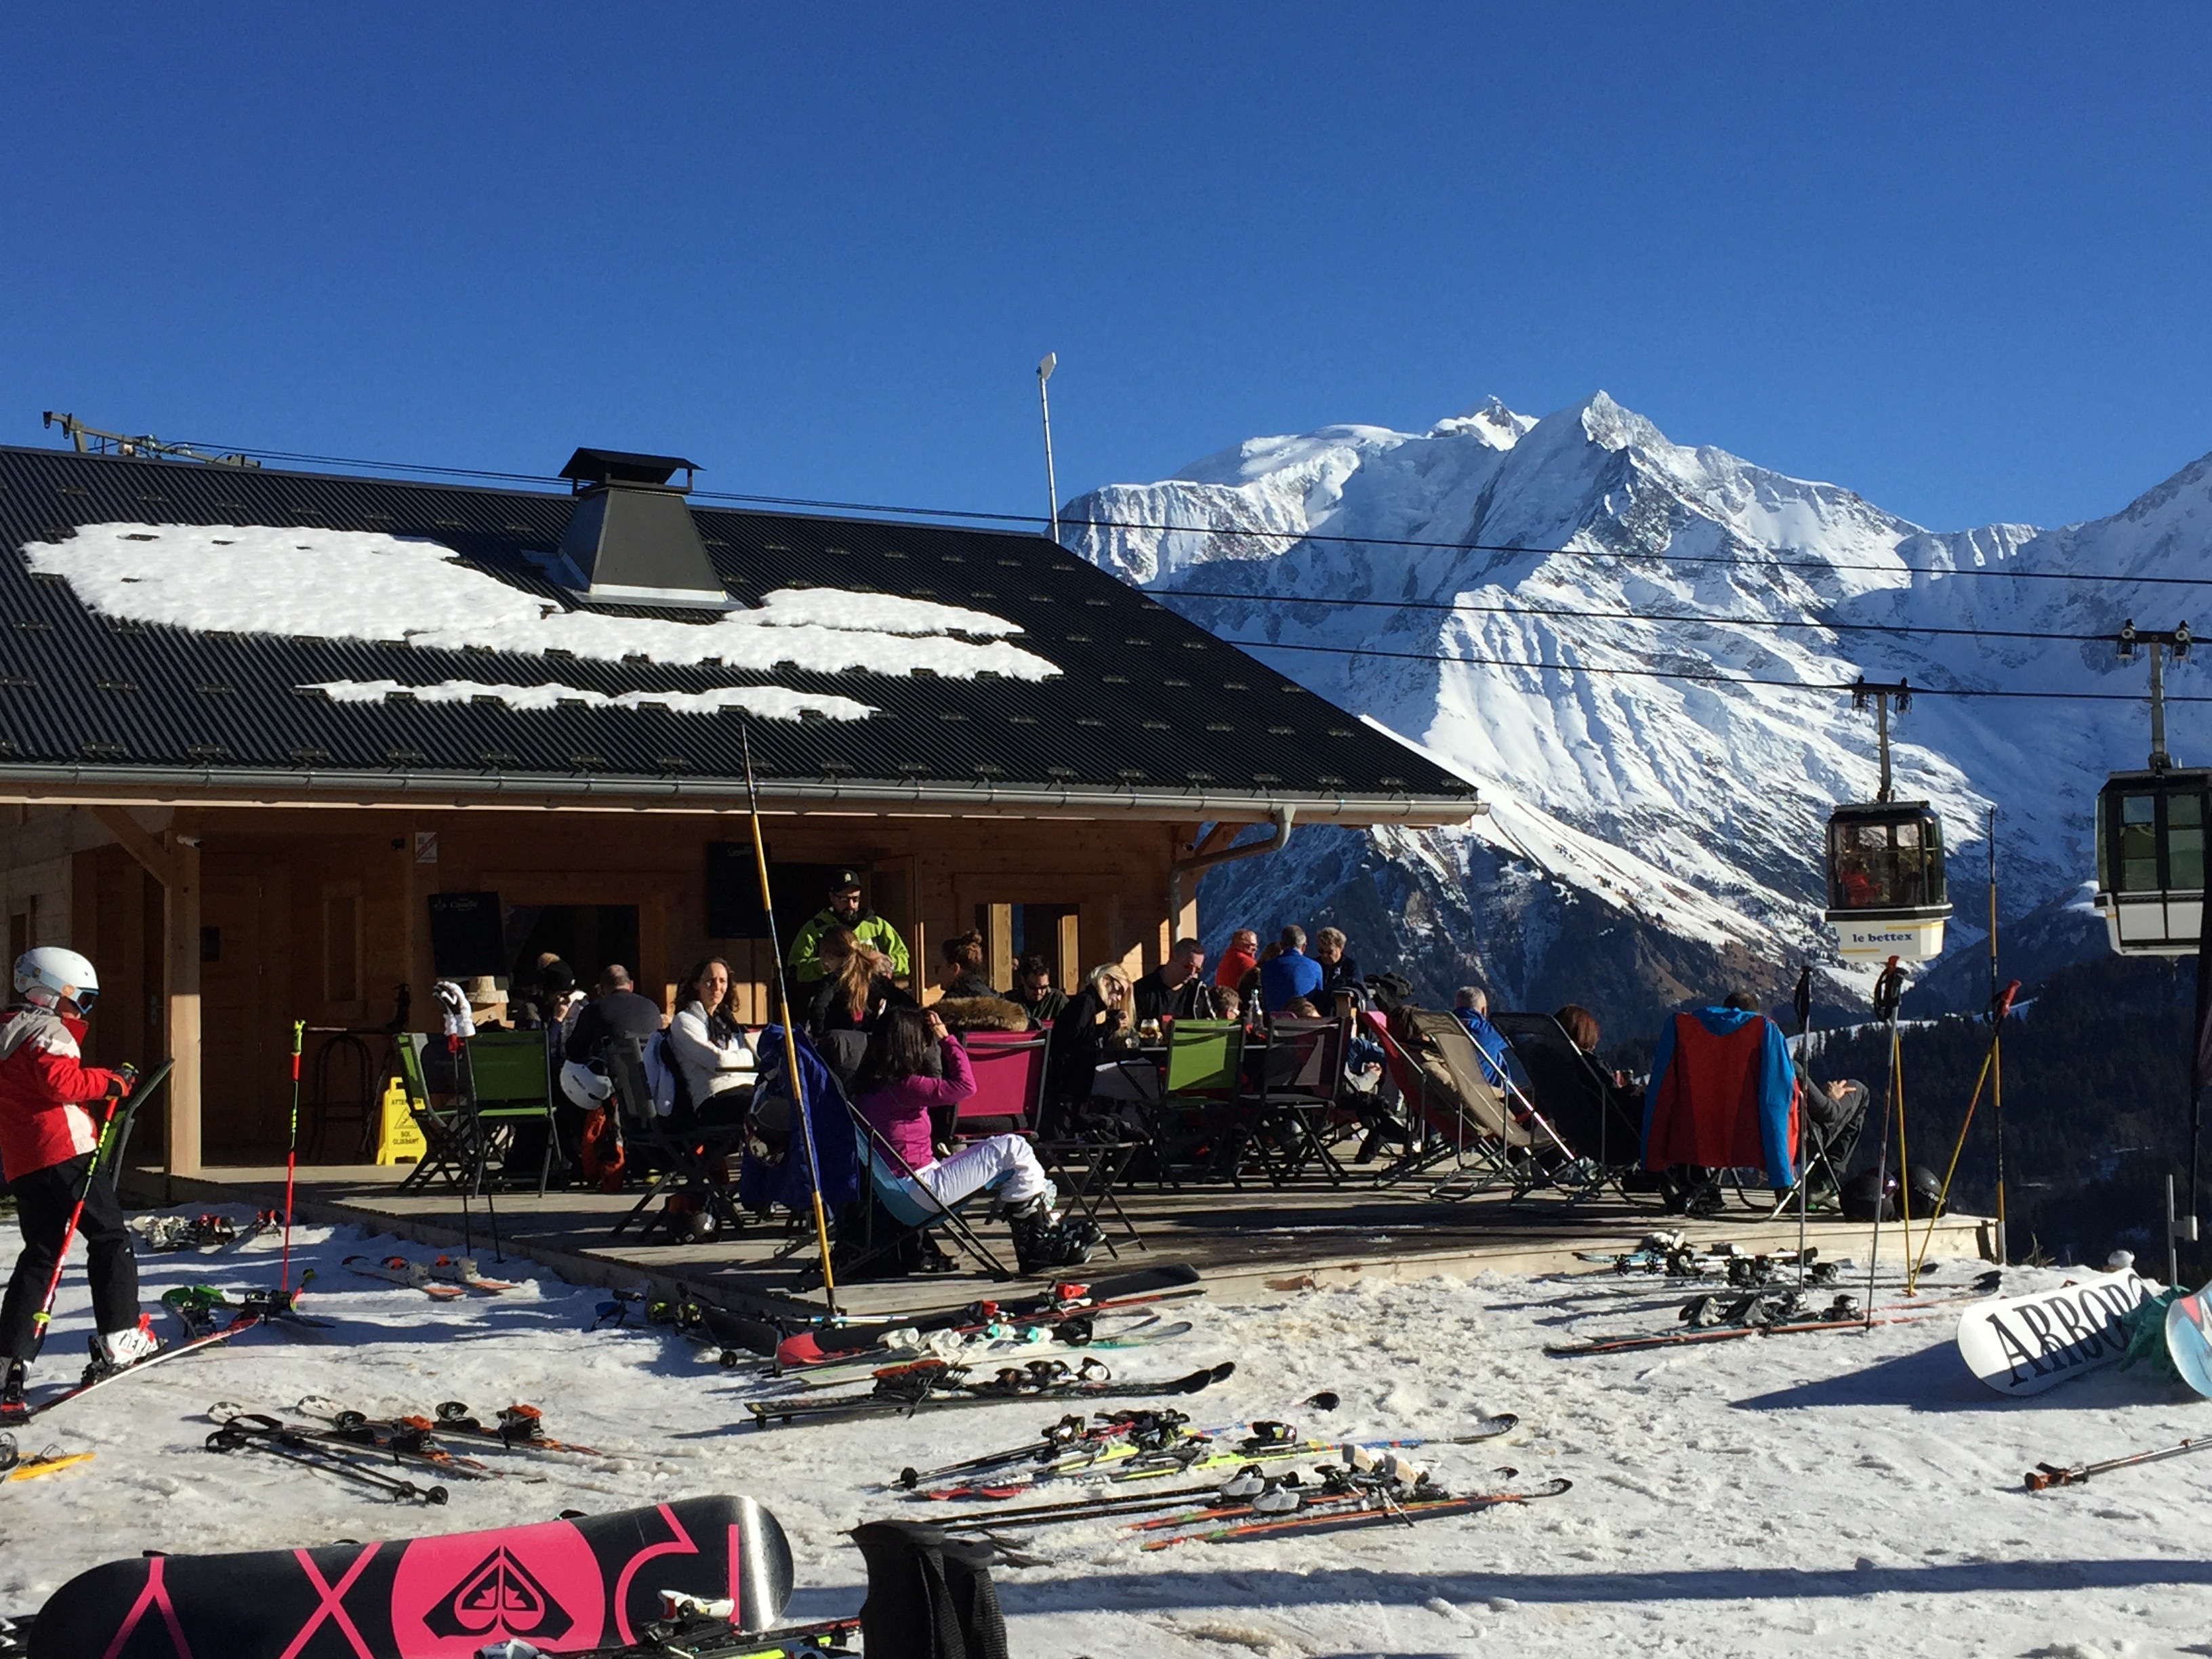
(139,842)
(181,929)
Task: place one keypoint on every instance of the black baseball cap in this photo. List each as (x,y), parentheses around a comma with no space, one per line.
(846,881)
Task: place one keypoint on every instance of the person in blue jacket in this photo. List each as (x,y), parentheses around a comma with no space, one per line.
(1471,1004)
(1291,973)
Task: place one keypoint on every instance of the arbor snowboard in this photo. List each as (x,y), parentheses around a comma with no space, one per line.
(563,1586)
(2023,1344)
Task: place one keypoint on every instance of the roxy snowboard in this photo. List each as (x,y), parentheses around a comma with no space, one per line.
(563,1586)
(2189,1338)
(2021,1345)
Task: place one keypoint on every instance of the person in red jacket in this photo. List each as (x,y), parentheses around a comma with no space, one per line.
(47,1140)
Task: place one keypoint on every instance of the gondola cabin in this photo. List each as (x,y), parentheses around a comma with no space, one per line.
(2150,859)
(1886,892)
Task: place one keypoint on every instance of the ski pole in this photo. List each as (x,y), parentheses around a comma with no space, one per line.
(2044,1475)
(1888,990)
(292,1156)
(41,1319)
(790,1036)
(1997,1012)
(114,1131)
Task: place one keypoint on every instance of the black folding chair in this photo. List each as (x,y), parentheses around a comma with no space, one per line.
(1300,1073)
(687,1161)
(449,1148)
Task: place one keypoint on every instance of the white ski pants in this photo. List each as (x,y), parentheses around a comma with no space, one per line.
(982,1164)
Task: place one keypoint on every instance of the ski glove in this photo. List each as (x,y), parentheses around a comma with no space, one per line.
(122,1080)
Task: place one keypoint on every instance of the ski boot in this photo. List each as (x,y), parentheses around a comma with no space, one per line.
(1043,1242)
(14,1407)
(112,1350)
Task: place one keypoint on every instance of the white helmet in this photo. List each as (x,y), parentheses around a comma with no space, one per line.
(585,1086)
(48,973)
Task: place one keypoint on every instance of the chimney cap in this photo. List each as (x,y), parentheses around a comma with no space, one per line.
(600,466)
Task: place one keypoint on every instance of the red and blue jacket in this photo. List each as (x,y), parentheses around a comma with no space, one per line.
(1724,1095)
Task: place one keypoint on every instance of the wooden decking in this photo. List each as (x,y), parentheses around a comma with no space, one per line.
(1245,1242)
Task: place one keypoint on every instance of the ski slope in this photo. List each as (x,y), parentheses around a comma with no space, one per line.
(1844,1494)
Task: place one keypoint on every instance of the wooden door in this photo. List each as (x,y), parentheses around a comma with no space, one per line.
(246,1014)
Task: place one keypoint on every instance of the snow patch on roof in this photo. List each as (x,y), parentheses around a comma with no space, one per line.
(368,586)
(774,702)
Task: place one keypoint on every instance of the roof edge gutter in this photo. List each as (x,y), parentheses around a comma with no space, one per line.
(1281,816)
(98,785)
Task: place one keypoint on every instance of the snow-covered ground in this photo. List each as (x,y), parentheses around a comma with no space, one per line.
(1820,1494)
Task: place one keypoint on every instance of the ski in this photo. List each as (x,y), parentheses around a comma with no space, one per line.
(1727,1333)
(516,1428)
(1372,1511)
(398,1270)
(903,1398)
(1199,1453)
(99,1377)
(194,1307)
(401,1442)
(919,1364)
(709,1638)
(272,1439)
(462,1271)
(992,1342)
(1066,1299)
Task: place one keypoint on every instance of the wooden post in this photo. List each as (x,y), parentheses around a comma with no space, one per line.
(174,862)
(181,916)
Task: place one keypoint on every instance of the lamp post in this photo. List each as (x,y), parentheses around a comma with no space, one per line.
(1051,360)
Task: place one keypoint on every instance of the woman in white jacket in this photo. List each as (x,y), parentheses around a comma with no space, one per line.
(712,1053)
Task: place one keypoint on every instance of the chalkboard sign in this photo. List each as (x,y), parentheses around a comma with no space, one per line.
(465,937)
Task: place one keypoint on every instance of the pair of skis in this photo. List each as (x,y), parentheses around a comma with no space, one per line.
(1041,1380)
(1066,1300)
(400,1443)
(449,1278)
(207,1233)
(512,1428)
(1896,1314)
(273,1438)
(97,1376)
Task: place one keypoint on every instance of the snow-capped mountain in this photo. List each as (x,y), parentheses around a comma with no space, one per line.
(1656,838)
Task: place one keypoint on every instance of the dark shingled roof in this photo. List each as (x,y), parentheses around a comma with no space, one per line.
(1146,704)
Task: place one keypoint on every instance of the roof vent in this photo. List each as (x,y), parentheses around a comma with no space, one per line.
(631,539)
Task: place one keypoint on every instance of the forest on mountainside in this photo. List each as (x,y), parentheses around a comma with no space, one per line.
(2096,1107)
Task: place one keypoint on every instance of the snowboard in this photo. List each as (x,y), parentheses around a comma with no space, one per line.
(2189,1338)
(2023,1344)
(563,1586)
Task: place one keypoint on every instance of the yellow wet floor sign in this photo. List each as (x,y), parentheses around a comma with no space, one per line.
(398,1137)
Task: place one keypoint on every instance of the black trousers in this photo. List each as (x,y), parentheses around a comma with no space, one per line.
(43,1199)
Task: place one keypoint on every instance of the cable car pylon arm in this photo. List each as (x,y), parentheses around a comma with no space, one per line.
(1881,694)
(2177,642)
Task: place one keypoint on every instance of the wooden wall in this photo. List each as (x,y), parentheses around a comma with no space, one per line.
(320,915)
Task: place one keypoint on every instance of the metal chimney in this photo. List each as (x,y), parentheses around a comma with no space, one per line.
(631,539)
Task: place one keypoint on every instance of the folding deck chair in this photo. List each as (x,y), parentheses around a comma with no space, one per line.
(1299,1074)
(912,1207)
(1599,1125)
(1453,1113)
(685,1162)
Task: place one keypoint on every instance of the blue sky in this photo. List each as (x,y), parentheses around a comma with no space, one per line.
(1954,257)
